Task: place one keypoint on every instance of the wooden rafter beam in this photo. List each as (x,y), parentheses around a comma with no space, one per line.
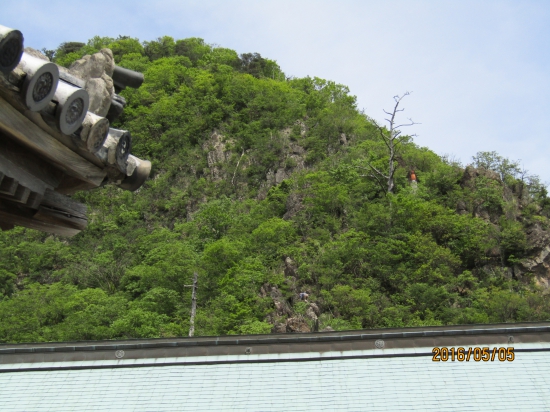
(51,223)
(58,201)
(18,127)
(35,168)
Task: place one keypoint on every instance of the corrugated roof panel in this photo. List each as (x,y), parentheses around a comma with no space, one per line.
(375,384)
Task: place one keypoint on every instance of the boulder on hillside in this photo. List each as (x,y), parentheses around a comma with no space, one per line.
(297,324)
(471,173)
(290,267)
(538,261)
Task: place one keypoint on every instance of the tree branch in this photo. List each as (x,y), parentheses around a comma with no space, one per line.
(377,171)
(236,168)
(412,123)
(380,183)
(373,169)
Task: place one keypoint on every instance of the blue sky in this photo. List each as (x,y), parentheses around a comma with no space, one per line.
(479,70)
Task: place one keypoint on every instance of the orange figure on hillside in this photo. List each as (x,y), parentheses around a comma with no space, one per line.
(413,180)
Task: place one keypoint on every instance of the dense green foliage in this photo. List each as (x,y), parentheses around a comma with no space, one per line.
(258,184)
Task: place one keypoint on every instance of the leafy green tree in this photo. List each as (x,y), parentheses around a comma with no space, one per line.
(272,237)
(122,47)
(162,47)
(267,186)
(194,48)
(257,66)
(513,241)
(7,283)
(167,265)
(506,168)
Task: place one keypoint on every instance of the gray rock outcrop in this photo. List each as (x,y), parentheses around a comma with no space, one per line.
(217,154)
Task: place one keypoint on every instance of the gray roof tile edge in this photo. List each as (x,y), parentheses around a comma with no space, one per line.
(247,341)
(79,365)
(218,360)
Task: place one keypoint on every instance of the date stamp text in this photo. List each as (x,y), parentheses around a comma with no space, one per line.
(476,354)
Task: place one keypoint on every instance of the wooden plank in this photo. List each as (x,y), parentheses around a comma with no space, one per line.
(25,196)
(25,159)
(34,200)
(47,123)
(60,218)
(13,216)
(8,186)
(31,223)
(46,120)
(70,185)
(7,86)
(59,201)
(24,131)
(23,177)
(21,194)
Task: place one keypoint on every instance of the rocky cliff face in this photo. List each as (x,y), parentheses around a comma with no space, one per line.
(226,162)
(537,263)
(485,197)
(285,318)
(218,155)
(507,205)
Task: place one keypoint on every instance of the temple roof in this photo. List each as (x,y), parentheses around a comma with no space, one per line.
(55,135)
(387,369)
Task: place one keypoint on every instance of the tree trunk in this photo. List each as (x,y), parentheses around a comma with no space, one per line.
(391,168)
(193,306)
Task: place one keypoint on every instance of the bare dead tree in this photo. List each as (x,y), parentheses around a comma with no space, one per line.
(392,138)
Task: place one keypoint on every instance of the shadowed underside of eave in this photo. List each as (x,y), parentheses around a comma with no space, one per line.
(51,145)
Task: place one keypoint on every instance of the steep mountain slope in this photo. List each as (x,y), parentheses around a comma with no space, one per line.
(260,183)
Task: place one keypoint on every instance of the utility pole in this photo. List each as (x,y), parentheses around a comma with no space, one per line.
(193,304)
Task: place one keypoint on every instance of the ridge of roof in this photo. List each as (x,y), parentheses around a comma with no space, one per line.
(318,337)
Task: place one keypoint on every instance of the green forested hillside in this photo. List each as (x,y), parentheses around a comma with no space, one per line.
(261,184)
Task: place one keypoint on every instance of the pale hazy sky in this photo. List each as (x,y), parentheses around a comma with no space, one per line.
(479,70)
